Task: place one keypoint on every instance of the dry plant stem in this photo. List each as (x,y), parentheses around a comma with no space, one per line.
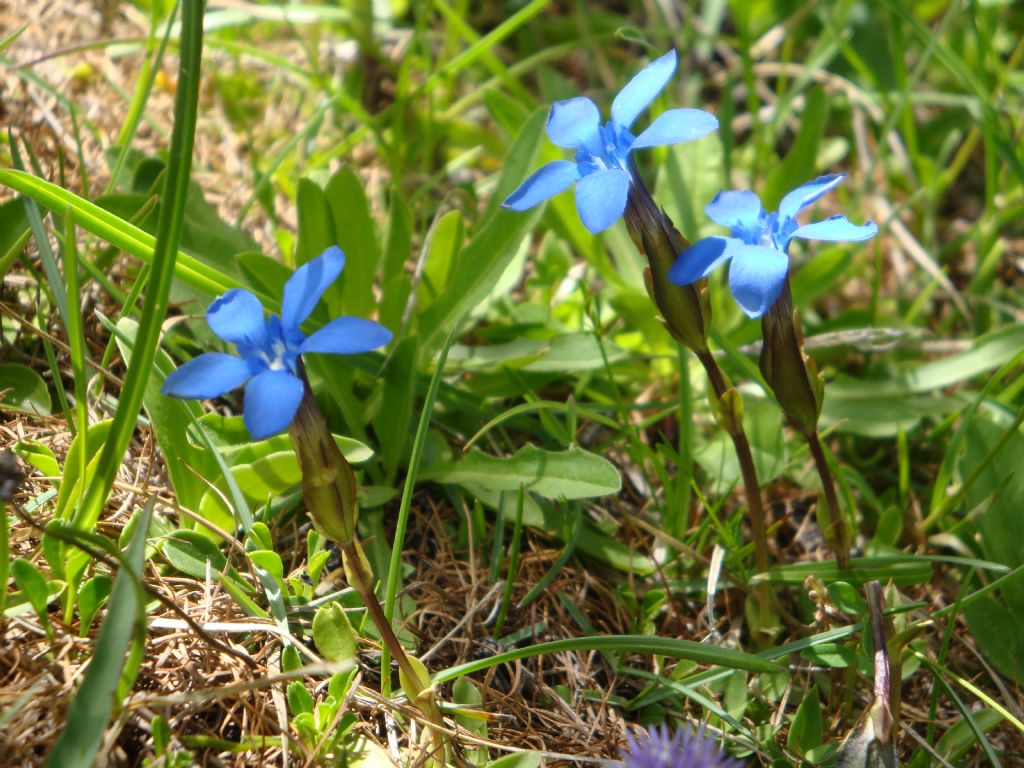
(838,529)
(687,315)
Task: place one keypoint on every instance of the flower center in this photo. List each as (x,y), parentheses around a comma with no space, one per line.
(610,151)
(280,353)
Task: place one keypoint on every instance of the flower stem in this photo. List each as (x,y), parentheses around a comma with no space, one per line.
(329,490)
(751,486)
(799,389)
(687,316)
(837,530)
(415,681)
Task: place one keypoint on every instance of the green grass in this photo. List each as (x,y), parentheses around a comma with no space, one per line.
(533,434)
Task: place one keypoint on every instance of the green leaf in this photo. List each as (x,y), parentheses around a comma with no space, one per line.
(847,599)
(91,596)
(19,603)
(517,760)
(14,232)
(299,699)
(269,561)
(806,729)
(22,389)
(356,234)
(333,633)
(570,474)
(160,730)
(72,482)
(997,625)
(116,231)
(268,274)
(398,241)
(880,409)
(173,200)
(41,457)
(960,737)
(90,709)
(190,551)
(316,228)
(830,655)
(484,259)
(394,423)
(986,353)
(465,693)
(446,236)
(33,586)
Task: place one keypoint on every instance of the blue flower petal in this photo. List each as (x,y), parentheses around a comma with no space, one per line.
(209,375)
(237,317)
(304,288)
(806,194)
(575,124)
(271,401)
(675,126)
(546,182)
(601,198)
(736,209)
(701,258)
(756,276)
(643,89)
(347,336)
(837,228)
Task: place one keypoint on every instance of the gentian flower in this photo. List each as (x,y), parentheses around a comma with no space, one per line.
(759,242)
(660,748)
(602,167)
(269,347)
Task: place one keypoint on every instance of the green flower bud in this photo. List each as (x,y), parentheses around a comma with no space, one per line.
(684,308)
(328,483)
(792,375)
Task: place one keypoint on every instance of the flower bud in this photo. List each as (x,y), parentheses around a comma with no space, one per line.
(328,483)
(685,308)
(792,375)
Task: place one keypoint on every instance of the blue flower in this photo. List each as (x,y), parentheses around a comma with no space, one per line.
(759,243)
(269,347)
(660,748)
(602,166)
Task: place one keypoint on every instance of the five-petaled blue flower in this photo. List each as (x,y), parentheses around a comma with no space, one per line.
(270,347)
(602,167)
(759,243)
(660,748)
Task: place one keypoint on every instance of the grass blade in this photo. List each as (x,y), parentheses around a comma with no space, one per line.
(90,710)
(171,219)
(662,646)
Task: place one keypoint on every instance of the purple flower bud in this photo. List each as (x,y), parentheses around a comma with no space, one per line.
(686,748)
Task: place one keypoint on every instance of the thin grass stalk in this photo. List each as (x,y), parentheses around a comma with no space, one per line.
(169,226)
(398,544)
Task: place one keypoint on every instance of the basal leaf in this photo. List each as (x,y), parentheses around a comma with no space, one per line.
(570,474)
(22,389)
